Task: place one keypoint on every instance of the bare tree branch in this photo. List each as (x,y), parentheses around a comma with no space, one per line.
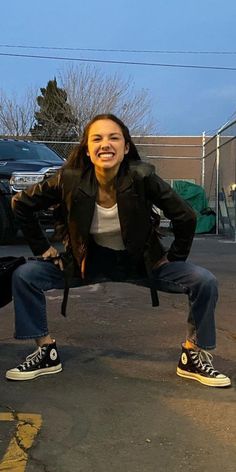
(90,92)
(17,115)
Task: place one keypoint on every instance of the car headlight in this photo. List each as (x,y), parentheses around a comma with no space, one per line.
(20,181)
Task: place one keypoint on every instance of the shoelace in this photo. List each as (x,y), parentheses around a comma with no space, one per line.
(203,359)
(33,358)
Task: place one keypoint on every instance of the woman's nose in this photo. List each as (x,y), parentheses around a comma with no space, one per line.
(105,145)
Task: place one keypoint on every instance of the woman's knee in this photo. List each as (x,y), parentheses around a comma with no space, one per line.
(24,272)
(205,279)
(30,273)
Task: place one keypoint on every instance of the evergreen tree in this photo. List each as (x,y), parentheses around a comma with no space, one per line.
(54,120)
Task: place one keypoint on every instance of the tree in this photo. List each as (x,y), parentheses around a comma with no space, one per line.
(54,119)
(17,114)
(90,92)
(60,114)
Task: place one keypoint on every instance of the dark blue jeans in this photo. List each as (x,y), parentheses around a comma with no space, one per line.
(32,279)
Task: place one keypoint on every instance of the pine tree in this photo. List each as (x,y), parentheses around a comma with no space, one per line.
(54,120)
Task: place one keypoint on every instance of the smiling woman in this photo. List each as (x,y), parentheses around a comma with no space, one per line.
(107,195)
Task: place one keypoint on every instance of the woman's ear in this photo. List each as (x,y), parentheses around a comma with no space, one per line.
(126,148)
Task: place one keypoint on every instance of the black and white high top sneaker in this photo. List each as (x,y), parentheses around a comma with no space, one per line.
(45,360)
(197,365)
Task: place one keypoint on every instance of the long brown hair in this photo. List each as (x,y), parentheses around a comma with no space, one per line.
(78,158)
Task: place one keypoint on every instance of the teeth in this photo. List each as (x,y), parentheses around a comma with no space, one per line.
(105,154)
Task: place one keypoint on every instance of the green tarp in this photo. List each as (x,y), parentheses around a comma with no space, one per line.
(195,196)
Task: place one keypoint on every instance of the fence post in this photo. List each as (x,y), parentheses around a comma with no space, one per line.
(203,159)
(217,180)
(234,200)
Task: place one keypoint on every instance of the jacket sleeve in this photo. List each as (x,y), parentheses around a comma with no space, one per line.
(25,206)
(180,214)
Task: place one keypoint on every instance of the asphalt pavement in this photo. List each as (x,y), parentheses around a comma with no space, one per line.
(118,404)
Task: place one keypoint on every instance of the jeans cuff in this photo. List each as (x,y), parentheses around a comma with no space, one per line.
(32,336)
(206,348)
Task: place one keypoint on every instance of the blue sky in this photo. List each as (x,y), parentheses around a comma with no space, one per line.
(185,101)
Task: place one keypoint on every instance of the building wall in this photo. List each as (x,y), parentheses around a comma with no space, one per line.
(174,157)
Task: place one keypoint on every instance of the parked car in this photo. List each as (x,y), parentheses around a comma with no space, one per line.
(22,163)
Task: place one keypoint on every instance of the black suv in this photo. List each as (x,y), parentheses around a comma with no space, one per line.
(22,163)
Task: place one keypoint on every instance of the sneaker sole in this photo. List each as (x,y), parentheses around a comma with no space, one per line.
(204,380)
(34,374)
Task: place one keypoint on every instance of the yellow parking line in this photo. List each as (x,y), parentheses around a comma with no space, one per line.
(27,427)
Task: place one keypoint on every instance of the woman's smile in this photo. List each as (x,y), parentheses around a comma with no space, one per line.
(106,155)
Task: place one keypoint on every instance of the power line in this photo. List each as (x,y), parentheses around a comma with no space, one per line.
(146,51)
(103,61)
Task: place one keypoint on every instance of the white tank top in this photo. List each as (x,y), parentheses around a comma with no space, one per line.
(105,227)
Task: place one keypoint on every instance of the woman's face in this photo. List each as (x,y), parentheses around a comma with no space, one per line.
(106,144)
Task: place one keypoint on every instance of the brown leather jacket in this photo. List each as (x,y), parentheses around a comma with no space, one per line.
(138,188)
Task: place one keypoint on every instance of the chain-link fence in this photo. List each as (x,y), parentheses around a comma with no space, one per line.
(63,148)
(219,177)
(173,157)
(209,174)
(204,160)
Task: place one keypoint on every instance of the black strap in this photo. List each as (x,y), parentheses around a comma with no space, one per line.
(154,296)
(153,290)
(65,299)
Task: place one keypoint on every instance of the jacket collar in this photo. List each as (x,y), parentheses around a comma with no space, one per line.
(124,179)
(88,183)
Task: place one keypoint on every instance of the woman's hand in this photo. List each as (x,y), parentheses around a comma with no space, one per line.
(53,252)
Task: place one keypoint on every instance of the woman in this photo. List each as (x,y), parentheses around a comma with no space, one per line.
(106,195)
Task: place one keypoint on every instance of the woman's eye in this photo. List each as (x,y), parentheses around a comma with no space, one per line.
(98,138)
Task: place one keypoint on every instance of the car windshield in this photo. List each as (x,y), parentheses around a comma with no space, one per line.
(23,151)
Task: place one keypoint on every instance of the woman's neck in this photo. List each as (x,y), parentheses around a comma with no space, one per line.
(106,195)
(107,179)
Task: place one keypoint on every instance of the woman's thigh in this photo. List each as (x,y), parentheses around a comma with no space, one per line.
(45,275)
(40,274)
(181,277)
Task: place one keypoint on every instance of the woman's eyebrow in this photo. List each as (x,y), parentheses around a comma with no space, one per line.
(111,134)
